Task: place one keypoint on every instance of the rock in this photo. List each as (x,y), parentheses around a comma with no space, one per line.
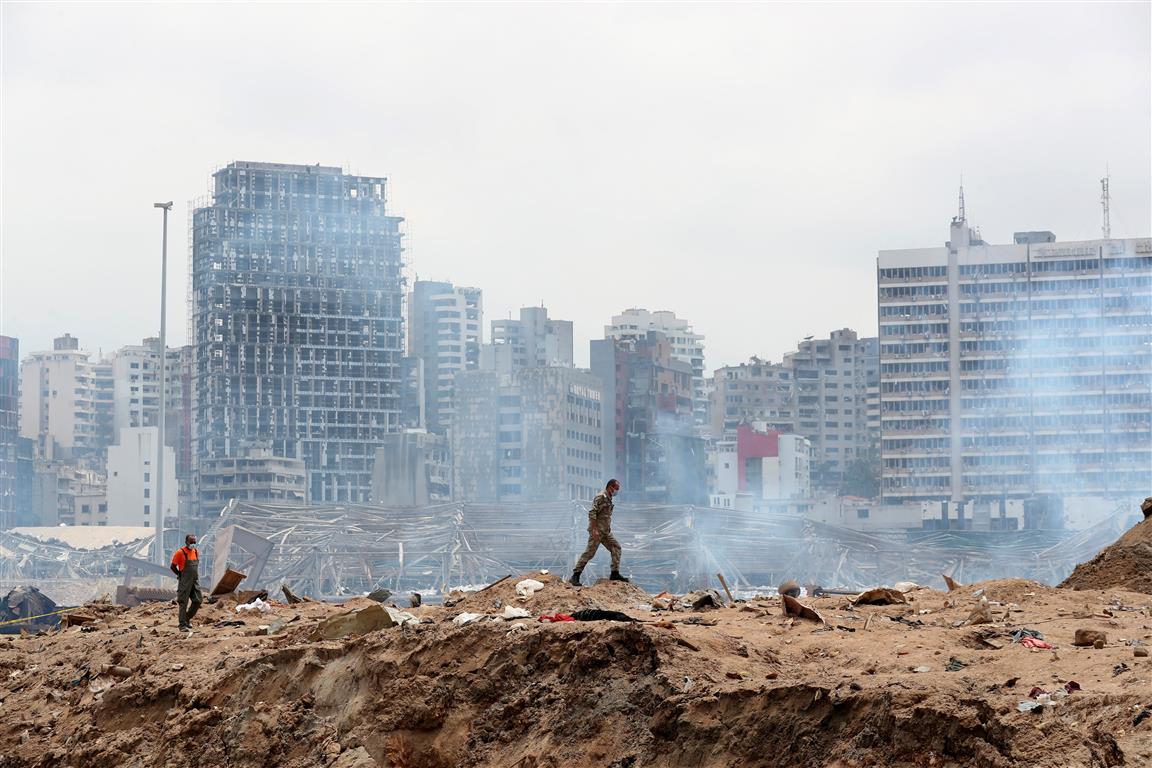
(415,600)
(360,622)
(355,758)
(1140,651)
(880,596)
(1089,637)
(379,595)
(1098,644)
(790,588)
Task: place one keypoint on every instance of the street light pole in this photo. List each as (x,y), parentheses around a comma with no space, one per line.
(158,502)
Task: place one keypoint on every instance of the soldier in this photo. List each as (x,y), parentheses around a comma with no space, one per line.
(600,532)
(186,566)
(1146,508)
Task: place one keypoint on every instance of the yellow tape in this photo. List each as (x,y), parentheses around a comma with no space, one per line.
(31,618)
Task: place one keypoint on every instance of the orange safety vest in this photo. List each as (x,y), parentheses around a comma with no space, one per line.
(183,555)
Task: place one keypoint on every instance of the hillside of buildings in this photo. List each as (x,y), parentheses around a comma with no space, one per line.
(992,674)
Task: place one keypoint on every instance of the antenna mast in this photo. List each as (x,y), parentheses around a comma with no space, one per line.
(1105,202)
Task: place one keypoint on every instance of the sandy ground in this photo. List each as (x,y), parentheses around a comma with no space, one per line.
(909,684)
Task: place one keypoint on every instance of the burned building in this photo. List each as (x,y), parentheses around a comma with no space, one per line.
(649,420)
(297,320)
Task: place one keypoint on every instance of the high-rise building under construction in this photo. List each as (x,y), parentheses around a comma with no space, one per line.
(297,320)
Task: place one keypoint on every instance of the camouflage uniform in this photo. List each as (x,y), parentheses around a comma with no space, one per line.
(600,518)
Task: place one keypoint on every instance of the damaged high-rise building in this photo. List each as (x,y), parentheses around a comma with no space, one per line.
(297,320)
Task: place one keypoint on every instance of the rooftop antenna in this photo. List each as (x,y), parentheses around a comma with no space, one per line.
(961,218)
(1105,202)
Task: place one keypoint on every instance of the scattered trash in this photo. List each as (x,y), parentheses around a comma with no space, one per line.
(1031,642)
(790,588)
(228,582)
(955,665)
(291,598)
(952,584)
(1119,669)
(256,605)
(379,595)
(906,586)
(880,596)
(399,616)
(512,612)
(1020,634)
(596,614)
(1036,691)
(924,668)
(1071,686)
(1141,716)
(415,600)
(793,607)
(466,618)
(528,587)
(1028,706)
(228,623)
(517,627)
(704,598)
(556,617)
(981,614)
(1089,637)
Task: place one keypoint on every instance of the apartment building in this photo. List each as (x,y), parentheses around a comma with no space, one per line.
(1015,371)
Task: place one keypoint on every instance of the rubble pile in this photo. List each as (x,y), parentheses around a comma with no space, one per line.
(532,672)
(1126,564)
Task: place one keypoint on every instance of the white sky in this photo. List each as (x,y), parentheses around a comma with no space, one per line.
(738,164)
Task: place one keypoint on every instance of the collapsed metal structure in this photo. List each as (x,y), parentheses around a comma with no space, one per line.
(339,550)
(334,551)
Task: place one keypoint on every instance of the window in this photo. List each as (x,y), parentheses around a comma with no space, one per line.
(147,477)
(147,509)
(861,513)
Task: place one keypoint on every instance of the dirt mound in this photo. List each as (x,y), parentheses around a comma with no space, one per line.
(742,685)
(1009,590)
(557,596)
(1126,564)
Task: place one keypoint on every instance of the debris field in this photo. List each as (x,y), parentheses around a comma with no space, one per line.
(992,674)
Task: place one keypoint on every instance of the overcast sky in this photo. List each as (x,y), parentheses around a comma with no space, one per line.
(740,165)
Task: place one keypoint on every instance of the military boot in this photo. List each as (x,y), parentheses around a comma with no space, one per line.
(615,576)
(575,580)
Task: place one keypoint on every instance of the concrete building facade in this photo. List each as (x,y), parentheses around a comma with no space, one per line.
(445,332)
(9,430)
(132,480)
(824,392)
(58,403)
(297,320)
(687,346)
(254,474)
(532,341)
(1012,371)
(412,470)
(831,381)
(651,433)
(532,435)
